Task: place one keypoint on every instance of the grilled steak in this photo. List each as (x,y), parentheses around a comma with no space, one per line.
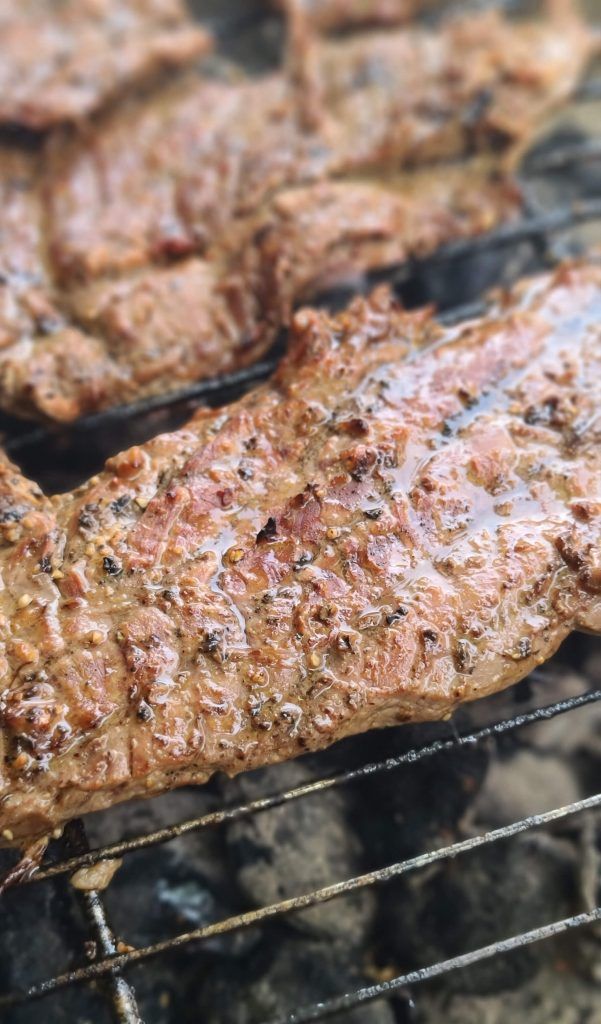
(68,351)
(405,518)
(61,61)
(179,255)
(329,15)
(391,99)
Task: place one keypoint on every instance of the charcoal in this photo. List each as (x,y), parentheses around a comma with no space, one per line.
(488,895)
(301,846)
(41,934)
(394,822)
(527,783)
(298,972)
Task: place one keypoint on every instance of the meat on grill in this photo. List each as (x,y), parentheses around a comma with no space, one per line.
(329,15)
(61,61)
(405,518)
(159,180)
(162,326)
(171,235)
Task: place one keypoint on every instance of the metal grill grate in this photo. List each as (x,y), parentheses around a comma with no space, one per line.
(111,964)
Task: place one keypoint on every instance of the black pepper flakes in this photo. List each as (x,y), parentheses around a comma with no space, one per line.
(120,504)
(111,566)
(45,563)
(373,513)
(268,532)
(397,615)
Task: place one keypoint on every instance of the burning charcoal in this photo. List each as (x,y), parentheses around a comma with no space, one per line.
(527,783)
(394,823)
(491,894)
(298,847)
(41,935)
(288,975)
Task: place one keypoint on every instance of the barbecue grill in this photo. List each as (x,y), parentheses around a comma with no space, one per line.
(563,204)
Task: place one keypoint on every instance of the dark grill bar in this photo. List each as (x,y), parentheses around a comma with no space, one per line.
(112,964)
(323,1011)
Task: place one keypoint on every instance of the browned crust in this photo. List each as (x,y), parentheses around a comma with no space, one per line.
(404,519)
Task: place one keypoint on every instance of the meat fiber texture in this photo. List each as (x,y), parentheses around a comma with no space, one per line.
(332,15)
(405,518)
(62,61)
(173,241)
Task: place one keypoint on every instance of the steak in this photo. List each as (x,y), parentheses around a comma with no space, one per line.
(175,246)
(158,181)
(163,326)
(61,61)
(330,15)
(405,518)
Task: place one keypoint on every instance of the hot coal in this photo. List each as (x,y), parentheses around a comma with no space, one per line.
(482,898)
(299,847)
(287,975)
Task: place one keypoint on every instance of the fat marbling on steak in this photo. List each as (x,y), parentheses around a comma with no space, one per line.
(62,60)
(405,518)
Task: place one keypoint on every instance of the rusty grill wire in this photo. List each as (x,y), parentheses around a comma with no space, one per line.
(110,962)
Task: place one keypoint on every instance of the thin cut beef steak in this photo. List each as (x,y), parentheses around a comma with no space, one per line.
(330,15)
(62,60)
(403,519)
(165,179)
(163,326)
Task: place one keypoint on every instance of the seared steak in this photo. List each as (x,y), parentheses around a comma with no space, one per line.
(159,179)
(65,352)
(181,242)
(403,519)
(61,61)
(329,15)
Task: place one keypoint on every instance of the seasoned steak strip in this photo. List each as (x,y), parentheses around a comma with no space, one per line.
(405,518)
(329,15)
(163,180)
(158,327)
(61,61)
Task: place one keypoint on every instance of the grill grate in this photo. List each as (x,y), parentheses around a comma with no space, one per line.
(111,963)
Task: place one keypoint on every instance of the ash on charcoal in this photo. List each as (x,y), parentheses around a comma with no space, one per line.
(554,996)
(527,783)
(283,977)
(297,847)
(491,894)
(420,805)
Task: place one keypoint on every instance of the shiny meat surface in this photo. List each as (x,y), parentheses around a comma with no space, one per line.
(329,15)
(62,60)
(73,350)
(181,233)
(403,519)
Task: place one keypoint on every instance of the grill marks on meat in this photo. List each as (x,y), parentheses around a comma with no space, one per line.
(403,519)
(61,61)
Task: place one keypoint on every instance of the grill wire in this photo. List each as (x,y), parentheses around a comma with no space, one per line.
(110,962)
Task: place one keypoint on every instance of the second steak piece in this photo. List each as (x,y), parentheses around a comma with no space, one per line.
(61,61)
(167,178)
(403,519)
(161,327)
